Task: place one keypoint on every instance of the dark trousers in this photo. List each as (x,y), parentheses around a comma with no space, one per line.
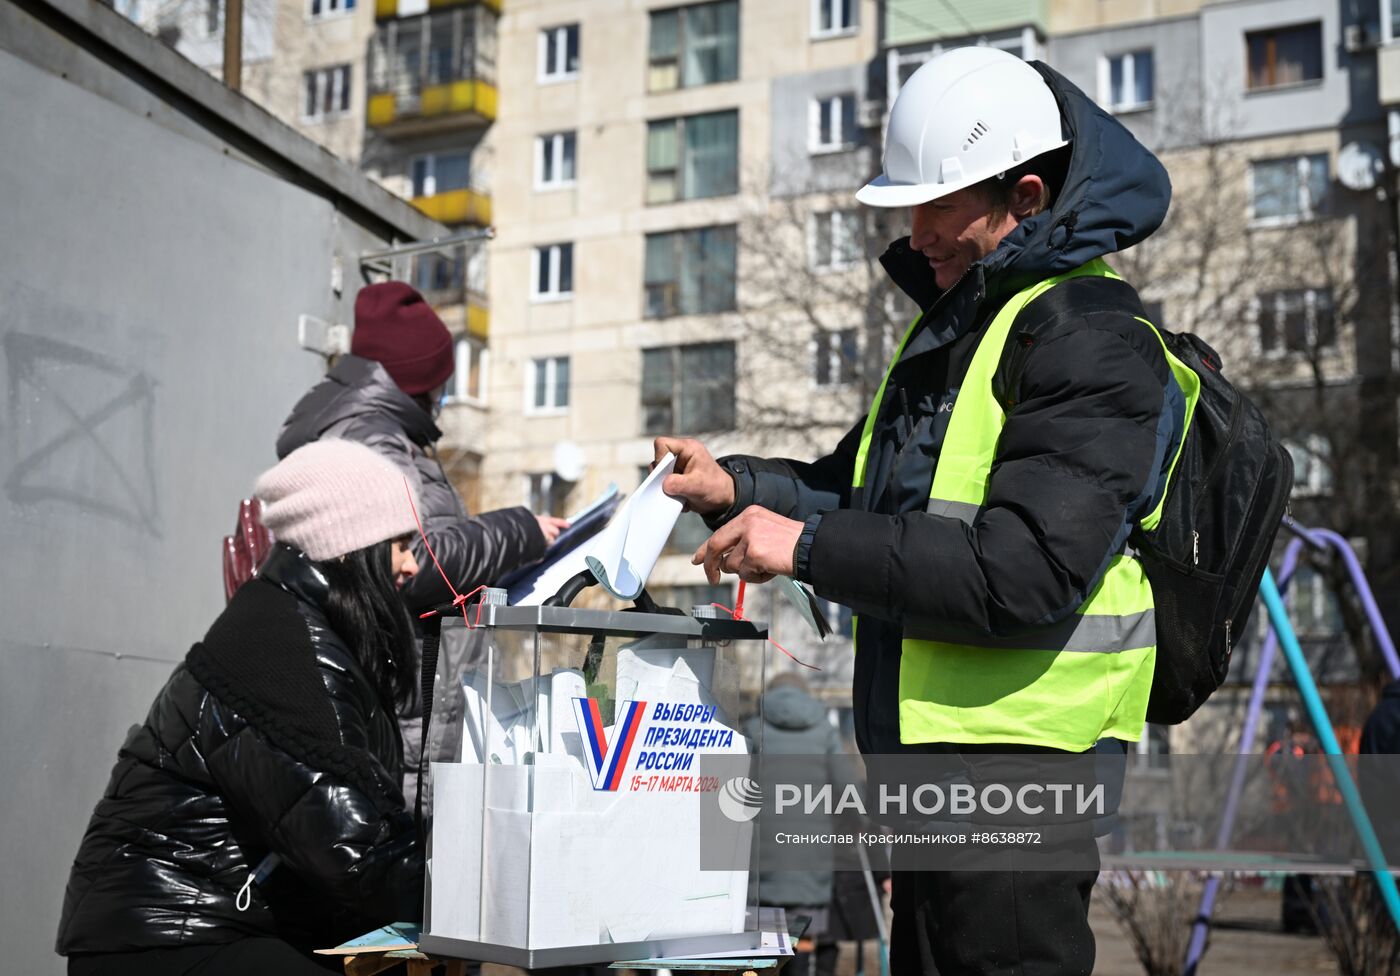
(256,956)
(992,923)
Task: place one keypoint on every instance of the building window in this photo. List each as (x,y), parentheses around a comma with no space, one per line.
(688,389)
(1312,465)
(1289,189)
(1284,56)
(1390,19)
(1312,606)
(468,382)
(554,160)
(832,123)
(1296,320)
(836,356)
(327,93)
(434,272)
(688,535)
(1126,81)
(329,8)
(831,18)
(690,272)
(693,157)
(559,53)
(834,240)
(547,385)
(547,493)
(440,173)
(694,46)
(553,272)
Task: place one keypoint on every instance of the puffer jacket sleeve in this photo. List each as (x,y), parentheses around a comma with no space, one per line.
(1079,456)
(473,549)
(794,489)
(344,834)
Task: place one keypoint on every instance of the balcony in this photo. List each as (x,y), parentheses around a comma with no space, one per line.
(454,207)
(919,21)
(434,72)
(387,9)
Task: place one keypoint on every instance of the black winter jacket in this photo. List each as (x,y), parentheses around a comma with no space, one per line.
(358,401)
(268,738)
(1093,416)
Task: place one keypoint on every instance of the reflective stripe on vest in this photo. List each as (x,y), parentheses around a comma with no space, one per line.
(1064,685)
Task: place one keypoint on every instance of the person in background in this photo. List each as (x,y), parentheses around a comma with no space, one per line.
(386,395)
(796,724)
(273,748)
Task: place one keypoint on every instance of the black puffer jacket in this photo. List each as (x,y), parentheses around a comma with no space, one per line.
(358,401)
(268,738)
(1092,419)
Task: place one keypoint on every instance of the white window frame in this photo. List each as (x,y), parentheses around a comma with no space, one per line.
(1281,351)
(552,407)
(845,30)
(554,293)
(843,226)
(833,359)
(330,10)
(545,76)
(817,108)
(1319,480)
(553,143)
(1130,60)
(473,347)
(337,76)
(1307,207)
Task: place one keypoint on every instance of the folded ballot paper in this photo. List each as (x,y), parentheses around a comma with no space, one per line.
(622,555)
(577,823)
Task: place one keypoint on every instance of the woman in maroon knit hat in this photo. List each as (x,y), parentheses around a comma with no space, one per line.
(385,394)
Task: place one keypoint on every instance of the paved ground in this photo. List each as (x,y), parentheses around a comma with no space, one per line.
(1247,939)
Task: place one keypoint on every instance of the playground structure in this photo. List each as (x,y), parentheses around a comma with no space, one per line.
(1281,632)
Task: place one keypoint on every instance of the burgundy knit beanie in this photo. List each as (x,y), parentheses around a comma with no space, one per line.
(396,328)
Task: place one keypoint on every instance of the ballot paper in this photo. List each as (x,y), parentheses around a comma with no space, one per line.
(510,731)
(623,554)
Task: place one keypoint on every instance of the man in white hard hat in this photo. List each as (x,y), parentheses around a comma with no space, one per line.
(977,518)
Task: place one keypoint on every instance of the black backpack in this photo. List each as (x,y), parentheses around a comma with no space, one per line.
(1224,505)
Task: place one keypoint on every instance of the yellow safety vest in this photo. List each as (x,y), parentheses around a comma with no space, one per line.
(1063,685)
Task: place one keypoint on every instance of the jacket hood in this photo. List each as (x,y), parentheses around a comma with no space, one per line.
(354,387)
(792,708)
(1116,194)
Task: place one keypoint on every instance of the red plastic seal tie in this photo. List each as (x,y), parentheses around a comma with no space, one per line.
(738,614)
(459,600)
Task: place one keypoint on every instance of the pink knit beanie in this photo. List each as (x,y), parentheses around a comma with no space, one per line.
(334,496)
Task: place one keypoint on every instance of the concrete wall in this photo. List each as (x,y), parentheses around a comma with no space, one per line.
(1238,114)
(794,169)
(1173,118)
(157,258)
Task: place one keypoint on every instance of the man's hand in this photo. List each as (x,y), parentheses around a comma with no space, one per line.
(756,546)
(551,526)
(698,481)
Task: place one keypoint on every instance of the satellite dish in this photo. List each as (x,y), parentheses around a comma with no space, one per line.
(1359,166)
(568,461)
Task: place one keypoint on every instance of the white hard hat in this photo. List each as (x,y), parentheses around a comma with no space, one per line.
(966,115)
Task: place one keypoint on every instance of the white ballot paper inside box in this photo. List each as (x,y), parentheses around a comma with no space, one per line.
(570,830)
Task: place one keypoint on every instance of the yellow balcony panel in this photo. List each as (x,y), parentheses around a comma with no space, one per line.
(478,320)
(383,9)
(438,108)
(494,5)
(457,207)
(381,110)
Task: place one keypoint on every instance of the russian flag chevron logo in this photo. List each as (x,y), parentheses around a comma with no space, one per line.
(607,760)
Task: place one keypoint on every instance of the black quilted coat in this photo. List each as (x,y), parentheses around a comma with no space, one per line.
(268,738)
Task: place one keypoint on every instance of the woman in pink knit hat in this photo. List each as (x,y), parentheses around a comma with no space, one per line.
(257,813)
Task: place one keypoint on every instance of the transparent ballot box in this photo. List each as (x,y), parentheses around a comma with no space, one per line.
(566,792)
